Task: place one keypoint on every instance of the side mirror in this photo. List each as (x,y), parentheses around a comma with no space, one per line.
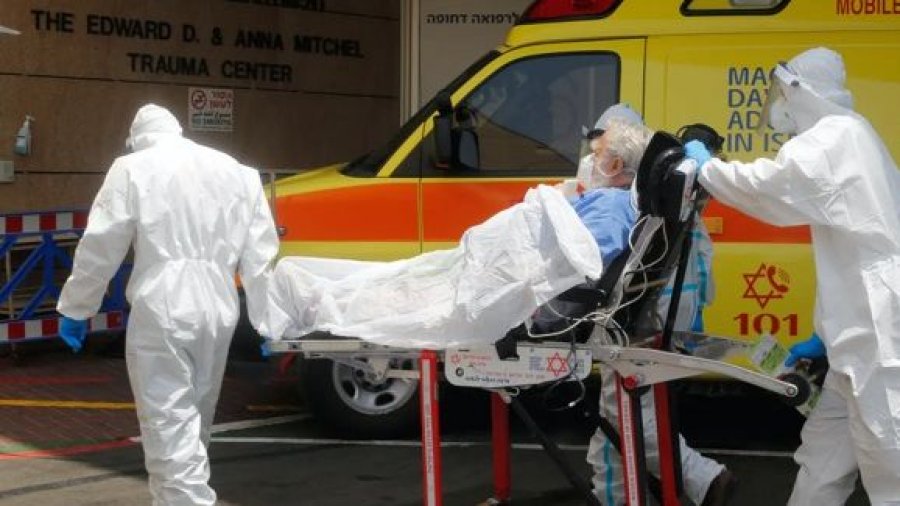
(468,155)
(455,139)
(443,131)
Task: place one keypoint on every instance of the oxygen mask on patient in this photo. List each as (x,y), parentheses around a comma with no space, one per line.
(602,174)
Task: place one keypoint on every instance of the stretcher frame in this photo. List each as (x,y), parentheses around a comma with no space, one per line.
(636,369)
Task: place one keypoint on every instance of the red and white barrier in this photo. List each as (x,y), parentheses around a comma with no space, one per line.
(49,327)
(32,223)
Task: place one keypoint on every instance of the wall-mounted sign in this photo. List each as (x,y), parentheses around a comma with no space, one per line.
(211,109)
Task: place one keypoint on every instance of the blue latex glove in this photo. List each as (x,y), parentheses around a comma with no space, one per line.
(73,332)
(812,348)
(264,349)
(697,324)
(698,152)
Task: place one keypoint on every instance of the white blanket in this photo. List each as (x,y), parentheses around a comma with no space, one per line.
(502,270)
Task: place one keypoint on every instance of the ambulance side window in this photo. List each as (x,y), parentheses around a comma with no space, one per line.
(527,118)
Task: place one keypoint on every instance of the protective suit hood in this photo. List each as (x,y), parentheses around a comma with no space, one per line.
(620,111)
(151,123)
(821,71)
(804,90)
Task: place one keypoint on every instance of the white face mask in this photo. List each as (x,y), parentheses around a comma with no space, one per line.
(600,176)
(779,119)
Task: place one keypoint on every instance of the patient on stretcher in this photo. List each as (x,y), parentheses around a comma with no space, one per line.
(501,271)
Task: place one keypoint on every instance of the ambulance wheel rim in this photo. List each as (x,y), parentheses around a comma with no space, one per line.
(373,398)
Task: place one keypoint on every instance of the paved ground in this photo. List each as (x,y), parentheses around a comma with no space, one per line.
(55,401)
(65,423)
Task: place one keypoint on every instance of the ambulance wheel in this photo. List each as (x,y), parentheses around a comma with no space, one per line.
(344,400)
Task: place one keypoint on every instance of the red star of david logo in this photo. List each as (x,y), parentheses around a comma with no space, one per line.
(455,359)
(557,365)
(773,284)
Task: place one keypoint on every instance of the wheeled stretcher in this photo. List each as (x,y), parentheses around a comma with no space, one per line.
(618,327)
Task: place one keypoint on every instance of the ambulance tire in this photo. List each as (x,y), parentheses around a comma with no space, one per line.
(343,401)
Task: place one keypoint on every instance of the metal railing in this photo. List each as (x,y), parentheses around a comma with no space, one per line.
(36,248)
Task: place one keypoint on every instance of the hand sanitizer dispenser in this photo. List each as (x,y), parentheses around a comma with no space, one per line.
(23,138)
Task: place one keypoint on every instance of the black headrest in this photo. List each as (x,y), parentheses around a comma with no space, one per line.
(703,133)
(661,156)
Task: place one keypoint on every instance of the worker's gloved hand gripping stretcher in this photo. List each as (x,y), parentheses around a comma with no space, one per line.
(502,270)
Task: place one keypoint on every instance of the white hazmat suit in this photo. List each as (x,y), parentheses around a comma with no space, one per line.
(837,177)
(195,217)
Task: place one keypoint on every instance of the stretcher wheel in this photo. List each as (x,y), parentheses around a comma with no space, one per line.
(803,388)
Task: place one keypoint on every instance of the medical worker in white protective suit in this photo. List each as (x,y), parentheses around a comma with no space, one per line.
(838,177)
(617,142)
(195,217)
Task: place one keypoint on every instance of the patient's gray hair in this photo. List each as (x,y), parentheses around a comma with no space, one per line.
(627,141)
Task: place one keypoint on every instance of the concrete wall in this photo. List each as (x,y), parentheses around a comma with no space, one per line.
(472,27)
(325,89)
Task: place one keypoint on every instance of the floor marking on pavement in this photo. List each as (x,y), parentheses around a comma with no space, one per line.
(261,422)
(250,424)
(66,452)
(27,403)
(746,453)
(52,380)
(397,443)
(13,446)
(459,444)
(273,407)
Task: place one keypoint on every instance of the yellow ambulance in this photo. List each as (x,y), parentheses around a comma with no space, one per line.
(513,119)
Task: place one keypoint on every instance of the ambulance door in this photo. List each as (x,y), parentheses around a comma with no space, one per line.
(523,115)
